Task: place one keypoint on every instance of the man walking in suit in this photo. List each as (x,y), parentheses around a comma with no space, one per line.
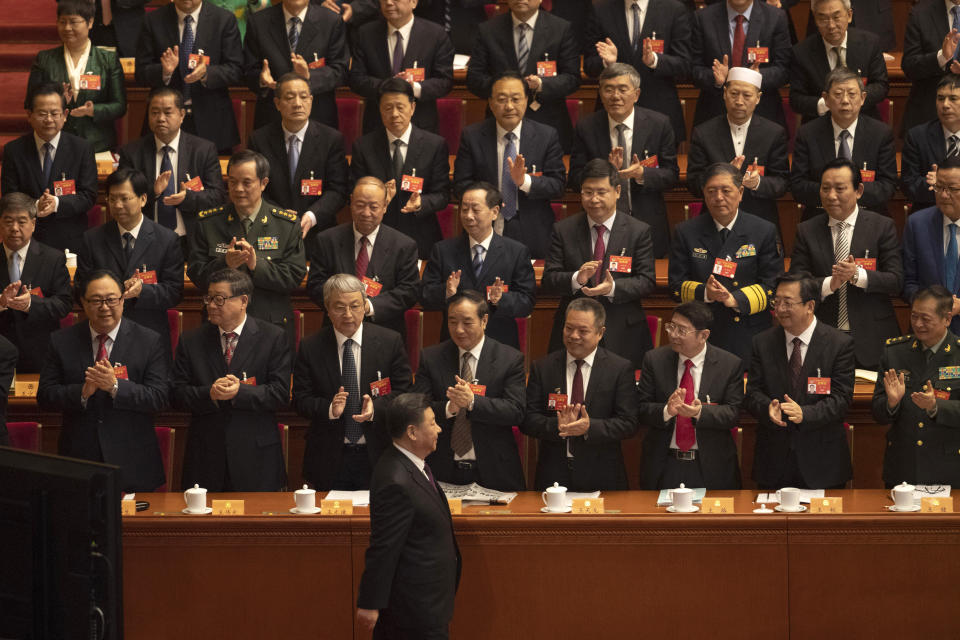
(232,374)
(581,403)
(344,380)
(542,49)
(799,389)
(296,36)
(844,133)
(382,258)
(522,157)
(35,284)
(605,255)
(690,395)
(194,47)
(55,168)
(482,260)
(751,143)
(653,36)
(183,168)
(640,144)
(144,254)
(476,390)
(109,377)
(928,145)
(308,168)
(854,256)
(929,54)
(412,566)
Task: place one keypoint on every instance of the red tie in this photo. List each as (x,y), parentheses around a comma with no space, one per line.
(686,435)
(231,338)
(599,252)
(362,258)
(576,390)
(739,39)
(102,349)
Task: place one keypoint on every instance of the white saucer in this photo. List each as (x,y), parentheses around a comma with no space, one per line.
(758,510)
(198,513)
(894,507)
(673,509)
(305,511)
(799,509)
(549,510)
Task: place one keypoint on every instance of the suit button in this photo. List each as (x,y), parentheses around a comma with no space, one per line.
(920,424)
(919,443)
(735,283)
(736,319)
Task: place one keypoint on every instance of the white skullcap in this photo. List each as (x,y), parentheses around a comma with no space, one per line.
(745,74)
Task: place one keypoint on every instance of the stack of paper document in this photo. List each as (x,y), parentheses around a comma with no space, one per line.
(573,495)
(865,375)
(460,62)
(663,500)
(930,491)
(359,498)
(474,493)
(805,495)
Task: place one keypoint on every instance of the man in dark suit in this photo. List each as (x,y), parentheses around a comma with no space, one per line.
(344,379)
(399,149)
(799,389)
(930,239)
(298,37)
(501,150)
(55,168)
(929,52)
(854,256)
(750,142)
(581,402)
(844,133)
(194,46)
(748,24)
(542,49)
(144,254)
(412,566)
(928,145)
(659,50)
(605,255)
(476,390)
(34,281)
(832,46)
(109,377)
(301,150)
(728,259)
(384,259)
(913,393)
(639,142)
(421,44)
(482,260)
(690,395)
(183,168)
(8,363)
(232,374)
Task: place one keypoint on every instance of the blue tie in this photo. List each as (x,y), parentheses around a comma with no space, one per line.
(14,267)
(477,260)
(186,48)
(167,215)
(294,34)
(507,185)
(293,156)
(348,380)
(950,260)
(47,163)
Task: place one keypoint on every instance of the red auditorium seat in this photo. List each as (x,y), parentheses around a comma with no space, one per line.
(692,210)
(96,216)
(574,107)
(165,438)
(24,435)
(414,324)
(297,329)
(654,323)
(447,217)
(70,320)
(350,114)
(452,114)
(175,322)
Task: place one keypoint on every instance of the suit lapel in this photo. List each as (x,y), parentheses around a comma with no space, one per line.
(819,57)
(823,245)
(368,358)
(825,140)
(509,49)
(115,246)
(583,241)
(754,30)
(723,29)
(599,361)
(415,150)
(213,350)
(150,156)
(708,376)
(617,242)
(753,145)
(936,244)
(308,31)
(345,254)
(380,250)
(122,346)
(488,142)
(30,268)
(144,240)
(486,365)
(381,45)
(621,35)
(538,44)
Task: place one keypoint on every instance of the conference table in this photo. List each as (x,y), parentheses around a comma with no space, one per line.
(635,571)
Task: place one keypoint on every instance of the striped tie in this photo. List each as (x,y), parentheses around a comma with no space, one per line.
(523,47)
(293,36)
(842,250)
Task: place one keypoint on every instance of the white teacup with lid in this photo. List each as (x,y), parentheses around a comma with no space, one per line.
(196,499)
(306,499)
(555,497)
(902,495)
(682,498)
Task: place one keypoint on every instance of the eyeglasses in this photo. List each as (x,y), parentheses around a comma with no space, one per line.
(674,329)
(218,301)
(74,22)
(342,309)
(780,303)
(944,189)
(52,115)
(622,90)
(99,302)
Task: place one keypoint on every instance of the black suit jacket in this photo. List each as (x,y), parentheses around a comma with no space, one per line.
(493,417)
(8,363)
(321,156)
(216,32)
(652,135)
(926,28)
(412,566)
(73,160)
(429,48)
(238,436)
(810,66)
(196,156)
(507,259)
(611,402)
(393,263)
(553,37)
(820,441)
(671,22)
(156,248)
(766,144)
(465,15)
(721,381)
(814,147)
(117,430)
(627,332)
(711,41)
(316,379)
(540,147)
(46,269)
(925,146)
(322,37)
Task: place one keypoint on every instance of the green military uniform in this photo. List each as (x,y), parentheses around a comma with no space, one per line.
(275,236)
(921,449)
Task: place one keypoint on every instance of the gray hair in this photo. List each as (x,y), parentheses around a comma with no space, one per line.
(343,283)
(618,69)
(814,3)
(589,305)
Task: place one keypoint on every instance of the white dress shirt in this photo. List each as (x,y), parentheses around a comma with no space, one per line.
(485,243)
(474,361)
(696,372)
(732,21)
(585,370)
(738,134)
(135,231)
(607,230)
(627,135)
(300,136)
(180,23)
(832,62)
(237,330)
(530,22)
(108,344)
(405,139)
(501,148)
(852,130)
(181,228)
(805,338)
(415,459)
(392,42)
(834,225)
(357,338)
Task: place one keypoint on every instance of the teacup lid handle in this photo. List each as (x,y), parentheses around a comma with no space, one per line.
(196,486)
(304,486)
(556,484)
(682,486)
